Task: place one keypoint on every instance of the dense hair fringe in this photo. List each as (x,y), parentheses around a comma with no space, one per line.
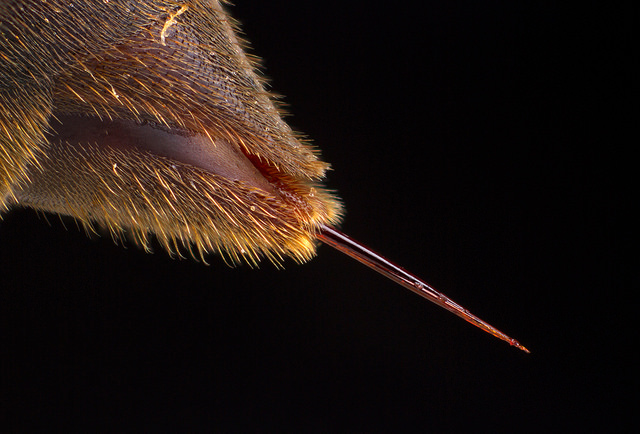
(140,196)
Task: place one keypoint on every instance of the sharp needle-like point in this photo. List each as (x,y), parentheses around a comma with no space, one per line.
(368,257)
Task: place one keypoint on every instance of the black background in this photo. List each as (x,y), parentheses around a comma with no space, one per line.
(479,145)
